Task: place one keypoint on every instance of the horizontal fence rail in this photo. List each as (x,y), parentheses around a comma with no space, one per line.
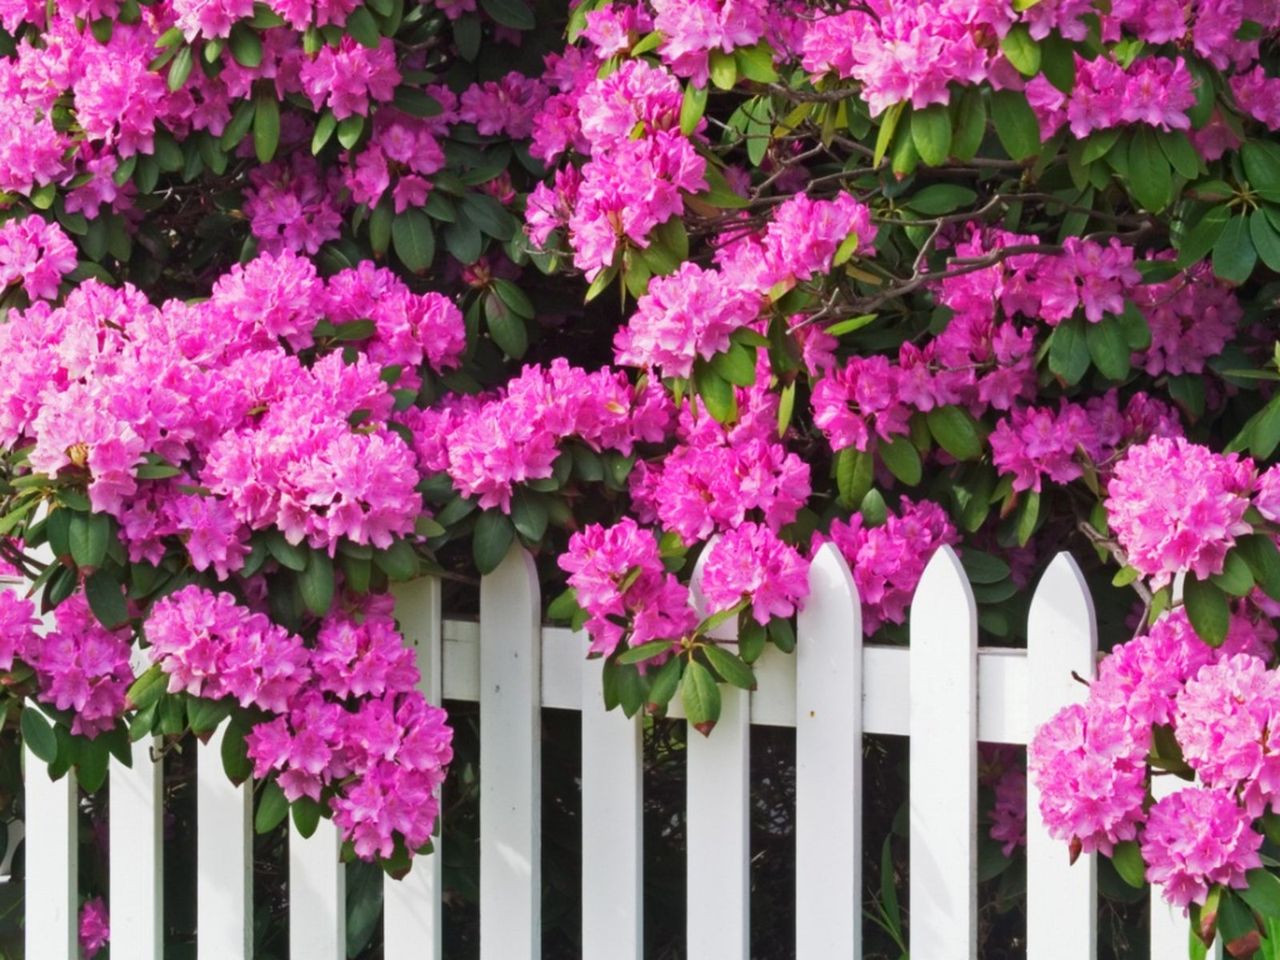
(943,691)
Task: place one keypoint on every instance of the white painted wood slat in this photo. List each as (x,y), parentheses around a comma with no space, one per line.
(1062,639)
(943,729)
(137,861)
(224,859)
(718,825)
(612,825)
(829,764)
(510,761)
(317,894)
(411,921)
(52,863)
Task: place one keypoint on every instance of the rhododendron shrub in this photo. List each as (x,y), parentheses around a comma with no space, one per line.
(303,299)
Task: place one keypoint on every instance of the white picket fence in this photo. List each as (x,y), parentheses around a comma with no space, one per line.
(944,692)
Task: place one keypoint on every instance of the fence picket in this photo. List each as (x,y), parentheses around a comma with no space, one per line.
(510,757)
(136,824)
(829,764)
(317,894)
(411,918)
(1062,639)
(943,730)
(612,827)
(224,859)
(52,862)
(718,826)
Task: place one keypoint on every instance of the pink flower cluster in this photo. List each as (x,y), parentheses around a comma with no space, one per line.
(691,313)
(888,560)
(291,207)
(751,563)
(17,627)
(716,478)
(1156,91)
(1038,443)
(1174,505)
(1191,317)
(212,647)
(617,575)
(1090,761)
(491,446)
(94,930)
(37,253)
(905,51)
(691,29)
(82,667)
(347,78)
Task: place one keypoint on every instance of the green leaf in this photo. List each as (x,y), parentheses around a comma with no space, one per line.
(666,681)
(492,539)
(931,133)
(266,124)
(1134,327)
(1182,156)
(716,393)
(1021,50)
(756,62)
(982,567)
(902,459)
(701,697)
(106,599)
(1058,62)
(241,121)
(1207,609)
(515,298)
(1016,124)
(416,102)
(88,536)
(736,365)
(148,688)
(316,583)
(692,107)
(180,68)
(1236,578)
(349,130)
(235,753)
(325,127)
(1127,859)
(272,808)
(285,553)
(398,561)
(940,198)
(873,509)
(956,432)
(1200,239)
(529,514)
(38,735)
(463,241)
(414,239)
(246,46)
(1234,256)
(1109,348)
(362,28)
(854,470)
(505,328)
(724,70)
(510,13)
(1263,557)
(970,126)
(1069,350)
(1262,167)
(1027,516)
(306,816)
(203,716)
(489,215)
(1266,241)
(645,651)
(1263,892)
(1150,179)
(719,193)
(730,666)
(888,125)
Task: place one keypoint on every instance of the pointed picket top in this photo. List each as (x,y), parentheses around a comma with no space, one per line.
(828,721)
(1062,640)
(943,725)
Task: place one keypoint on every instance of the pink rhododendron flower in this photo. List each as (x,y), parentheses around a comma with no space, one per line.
(347,78)
(37,253)
(1197,838)
(751,563)
(94,930)
(1174,505)
(691,29)
(17,627)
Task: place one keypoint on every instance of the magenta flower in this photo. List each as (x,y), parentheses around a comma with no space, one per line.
(1197,838)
